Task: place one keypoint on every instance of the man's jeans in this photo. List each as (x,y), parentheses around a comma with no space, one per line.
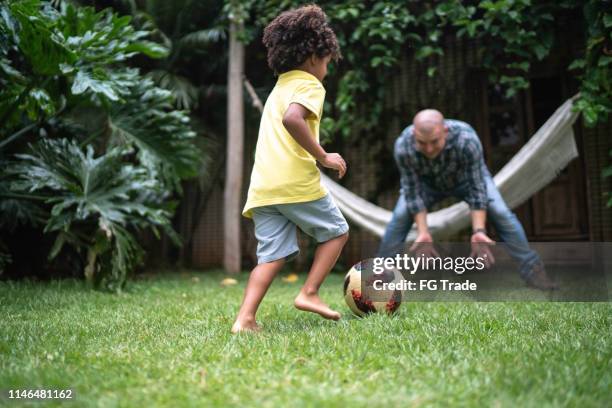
(506,224)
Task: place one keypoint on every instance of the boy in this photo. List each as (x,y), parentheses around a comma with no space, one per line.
(285,190)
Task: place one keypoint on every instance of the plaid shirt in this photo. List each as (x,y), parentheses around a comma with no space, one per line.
(458,167)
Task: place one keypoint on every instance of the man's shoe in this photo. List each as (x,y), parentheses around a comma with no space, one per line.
(539,279)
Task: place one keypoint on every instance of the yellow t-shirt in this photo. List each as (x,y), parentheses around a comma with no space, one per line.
(283,171)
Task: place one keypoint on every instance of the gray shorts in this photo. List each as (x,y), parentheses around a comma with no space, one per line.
(275,226)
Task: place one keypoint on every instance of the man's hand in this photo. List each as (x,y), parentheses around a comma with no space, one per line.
(423,244)
(334,161)
(481,244)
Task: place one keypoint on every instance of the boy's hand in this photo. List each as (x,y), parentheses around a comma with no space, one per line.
(334,161)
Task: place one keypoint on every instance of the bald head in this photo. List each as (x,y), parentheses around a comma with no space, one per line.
(427,121)
(429,132)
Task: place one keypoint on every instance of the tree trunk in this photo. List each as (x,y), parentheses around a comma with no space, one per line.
(235,147)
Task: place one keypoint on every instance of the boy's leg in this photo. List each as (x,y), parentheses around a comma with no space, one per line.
(259,282)
(276,241)
(322,220)
(326,255)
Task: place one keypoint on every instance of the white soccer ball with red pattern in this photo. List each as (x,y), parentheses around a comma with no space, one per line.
(364,299)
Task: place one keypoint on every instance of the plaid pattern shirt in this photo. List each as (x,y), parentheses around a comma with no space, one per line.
(458,167)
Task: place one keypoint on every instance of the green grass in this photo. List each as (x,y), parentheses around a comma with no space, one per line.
(166,342)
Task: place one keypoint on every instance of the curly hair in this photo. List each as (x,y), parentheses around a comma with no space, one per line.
(295,35)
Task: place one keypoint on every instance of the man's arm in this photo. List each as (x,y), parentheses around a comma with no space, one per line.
(477,196)
(423,235)
(480,240)
(409,181)
(478,200)
(294,121)
(479,220)
(411,189)
(423,244)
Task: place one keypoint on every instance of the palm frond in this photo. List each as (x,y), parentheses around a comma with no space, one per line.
(186,94)
(202,38)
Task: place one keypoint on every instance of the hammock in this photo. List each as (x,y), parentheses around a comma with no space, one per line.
(533,167)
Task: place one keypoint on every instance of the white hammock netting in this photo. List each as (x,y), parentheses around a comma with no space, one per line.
(546,154)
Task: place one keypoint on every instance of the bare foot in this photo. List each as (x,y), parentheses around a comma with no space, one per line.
(245,325)
(314,304)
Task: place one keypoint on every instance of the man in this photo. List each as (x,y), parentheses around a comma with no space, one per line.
(438,158)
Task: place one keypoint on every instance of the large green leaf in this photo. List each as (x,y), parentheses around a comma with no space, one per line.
(38,41)
(162,136)
(148,48)
(203,37)
(97,83)
(89,193)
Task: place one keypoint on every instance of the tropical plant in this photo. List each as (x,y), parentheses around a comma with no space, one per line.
(189,29)
(195,72)
(595,68)
(93,201)
(94,151)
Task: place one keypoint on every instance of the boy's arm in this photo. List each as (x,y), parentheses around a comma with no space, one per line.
(294,121)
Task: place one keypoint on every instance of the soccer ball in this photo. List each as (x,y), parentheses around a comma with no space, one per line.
(363,300)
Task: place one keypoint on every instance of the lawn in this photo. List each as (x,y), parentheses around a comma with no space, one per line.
(166,342)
